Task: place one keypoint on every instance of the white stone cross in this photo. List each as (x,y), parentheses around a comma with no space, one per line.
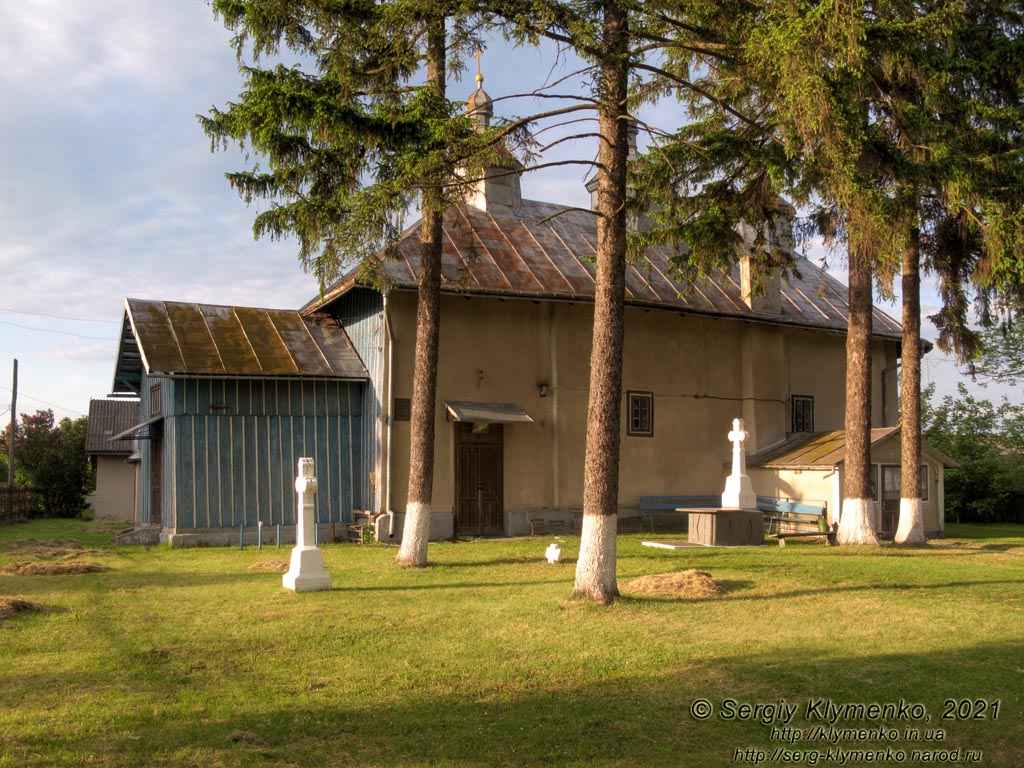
(739,491)
(739,458)
(306,571)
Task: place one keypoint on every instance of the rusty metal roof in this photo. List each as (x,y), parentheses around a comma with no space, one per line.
(823,450)
(547,251)
(107,419)
(175,338)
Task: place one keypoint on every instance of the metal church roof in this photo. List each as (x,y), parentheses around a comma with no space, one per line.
(176,338)
(547,251)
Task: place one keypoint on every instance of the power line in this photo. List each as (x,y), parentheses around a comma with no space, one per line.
(40,400)
(65,333)
(58,317)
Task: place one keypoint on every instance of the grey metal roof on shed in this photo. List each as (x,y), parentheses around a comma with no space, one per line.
(108,418)
(546,251)
(176,338)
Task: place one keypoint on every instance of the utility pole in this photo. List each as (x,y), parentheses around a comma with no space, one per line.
(10,445)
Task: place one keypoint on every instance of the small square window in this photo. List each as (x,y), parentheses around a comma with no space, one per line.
(803,413)
(640,416)
(402,409)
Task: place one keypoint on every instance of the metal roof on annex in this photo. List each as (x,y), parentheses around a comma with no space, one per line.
(546,251)
(107,420)
(166,338)
(823,450)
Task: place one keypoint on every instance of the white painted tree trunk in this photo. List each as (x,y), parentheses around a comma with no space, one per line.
(415,535)
(595,568)
(911,527)
(855,526)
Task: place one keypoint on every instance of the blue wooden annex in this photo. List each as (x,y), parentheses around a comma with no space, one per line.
(231,398)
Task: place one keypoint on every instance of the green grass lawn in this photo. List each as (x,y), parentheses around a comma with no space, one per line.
(189,658)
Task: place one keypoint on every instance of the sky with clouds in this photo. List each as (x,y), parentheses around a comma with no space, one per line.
(109,188)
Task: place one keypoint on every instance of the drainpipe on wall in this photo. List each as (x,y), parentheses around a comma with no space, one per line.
(390,341)
(885,398)
(553,390)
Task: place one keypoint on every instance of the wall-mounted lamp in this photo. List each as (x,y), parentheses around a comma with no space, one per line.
(542,390)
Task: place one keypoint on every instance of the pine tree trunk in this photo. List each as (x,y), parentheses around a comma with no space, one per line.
(911,527)
(416,532)
(595,568)
(856,524)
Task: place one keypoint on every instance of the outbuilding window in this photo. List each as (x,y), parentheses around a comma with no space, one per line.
(640,420)
(156,399)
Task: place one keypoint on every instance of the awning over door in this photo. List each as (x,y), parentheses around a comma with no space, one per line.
(134,433)
(487,413)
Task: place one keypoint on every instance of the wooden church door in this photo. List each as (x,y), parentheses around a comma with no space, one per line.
(479,490)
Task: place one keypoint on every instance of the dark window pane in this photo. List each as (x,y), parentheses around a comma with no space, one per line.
(640,414)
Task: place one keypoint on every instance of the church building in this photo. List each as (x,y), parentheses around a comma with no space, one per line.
(512,387)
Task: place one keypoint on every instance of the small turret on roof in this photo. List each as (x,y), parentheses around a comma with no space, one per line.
(498,192)
(479,106)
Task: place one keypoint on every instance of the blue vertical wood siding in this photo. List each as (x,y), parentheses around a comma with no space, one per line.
(145,456)
(231,448)
(361,312)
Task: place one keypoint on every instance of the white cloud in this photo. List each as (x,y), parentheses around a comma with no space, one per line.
(97,353)
(83,47)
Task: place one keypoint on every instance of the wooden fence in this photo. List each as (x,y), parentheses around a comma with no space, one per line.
(17,504)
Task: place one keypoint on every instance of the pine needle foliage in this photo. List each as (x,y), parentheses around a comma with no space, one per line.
(343,143)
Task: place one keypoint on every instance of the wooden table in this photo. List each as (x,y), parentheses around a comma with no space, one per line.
(725,526)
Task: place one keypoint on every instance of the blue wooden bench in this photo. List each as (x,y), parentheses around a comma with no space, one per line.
(668,506)
(785,518)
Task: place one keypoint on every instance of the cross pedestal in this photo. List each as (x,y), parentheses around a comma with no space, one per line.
(306,572)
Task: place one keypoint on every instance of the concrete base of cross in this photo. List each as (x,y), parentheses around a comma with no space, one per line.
(739,492)
(306,572)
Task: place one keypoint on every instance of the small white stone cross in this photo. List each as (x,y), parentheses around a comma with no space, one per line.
(739,458)
(739,492)
(306,572)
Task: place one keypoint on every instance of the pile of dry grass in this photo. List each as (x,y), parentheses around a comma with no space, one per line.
(51,569)
(12,605)
(691,583)
(276,566)
(66,549)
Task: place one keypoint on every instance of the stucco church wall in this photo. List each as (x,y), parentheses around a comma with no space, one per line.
(703,371)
